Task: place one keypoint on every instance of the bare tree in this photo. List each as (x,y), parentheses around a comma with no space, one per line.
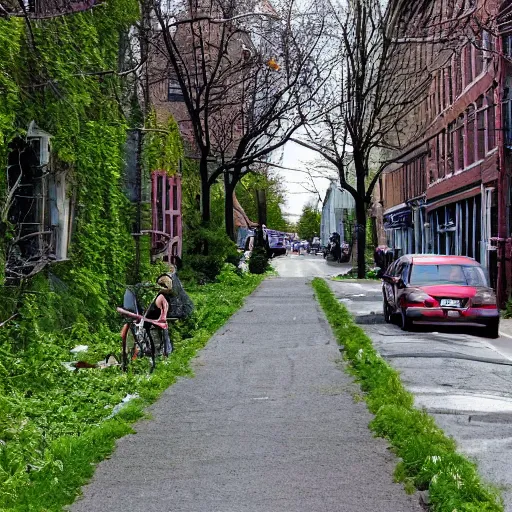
(372,108)
(241,72)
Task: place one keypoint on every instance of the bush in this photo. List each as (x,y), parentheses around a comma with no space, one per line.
(206,251)
(258,262)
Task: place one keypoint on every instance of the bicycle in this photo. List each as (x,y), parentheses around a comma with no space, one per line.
(137,339)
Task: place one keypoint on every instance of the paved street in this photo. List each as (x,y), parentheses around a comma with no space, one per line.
(308,265)
(268,424)
(462,379)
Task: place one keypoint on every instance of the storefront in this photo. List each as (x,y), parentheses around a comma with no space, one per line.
(399,229)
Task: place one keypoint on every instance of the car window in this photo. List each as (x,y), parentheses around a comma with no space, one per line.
(464,275)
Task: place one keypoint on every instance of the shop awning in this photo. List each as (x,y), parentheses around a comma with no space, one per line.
(454,198)
(395,218)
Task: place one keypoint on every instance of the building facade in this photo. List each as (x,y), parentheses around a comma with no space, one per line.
(337,214)
(451,192)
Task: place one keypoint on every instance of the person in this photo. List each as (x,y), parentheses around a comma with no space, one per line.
(159,308)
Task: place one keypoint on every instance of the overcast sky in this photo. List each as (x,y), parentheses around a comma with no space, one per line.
(299,157)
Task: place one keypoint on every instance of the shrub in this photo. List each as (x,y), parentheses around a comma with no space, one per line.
(258,262)
(206,251)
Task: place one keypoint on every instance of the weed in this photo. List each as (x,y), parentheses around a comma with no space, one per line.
(54,424)
(428,457)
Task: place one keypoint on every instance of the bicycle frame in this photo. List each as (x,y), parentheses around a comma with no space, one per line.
(143,342)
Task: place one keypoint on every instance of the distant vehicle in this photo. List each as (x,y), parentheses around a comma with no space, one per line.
(433,289)
(316,245)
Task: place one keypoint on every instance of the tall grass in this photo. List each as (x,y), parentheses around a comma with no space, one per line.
(428,457)
(50,440)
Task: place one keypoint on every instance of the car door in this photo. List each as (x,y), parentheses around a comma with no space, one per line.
(397,283)
(387,284)
(401,282)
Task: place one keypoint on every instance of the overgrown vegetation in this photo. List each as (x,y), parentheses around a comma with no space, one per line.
(428,457)
(54,423)
(370,273)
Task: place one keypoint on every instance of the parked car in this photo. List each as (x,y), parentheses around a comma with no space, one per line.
(432,289)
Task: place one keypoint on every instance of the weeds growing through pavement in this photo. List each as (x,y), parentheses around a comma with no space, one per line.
(428,457)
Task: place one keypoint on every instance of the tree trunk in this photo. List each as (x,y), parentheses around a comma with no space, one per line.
(205,190)
(361,237)
(229,218)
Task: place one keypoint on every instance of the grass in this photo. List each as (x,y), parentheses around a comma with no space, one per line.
(50,438)
(429,459)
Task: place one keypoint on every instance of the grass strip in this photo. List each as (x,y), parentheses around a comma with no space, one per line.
(428,457)
(48,475)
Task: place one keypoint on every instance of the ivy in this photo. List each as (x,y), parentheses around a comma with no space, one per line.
(162,147)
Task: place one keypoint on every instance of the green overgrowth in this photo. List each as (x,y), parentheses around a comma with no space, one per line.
(428,457)
(54,423)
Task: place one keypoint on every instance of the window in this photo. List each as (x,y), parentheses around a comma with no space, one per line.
(480,128)
(507,45)
(41,207)
(491,121)
(441,140)
(470,135)
(174,92)
(450,151)
(464,275)
(479,55)
(458,74)
(468,65)
(507,116)
(458,143)
(449,86)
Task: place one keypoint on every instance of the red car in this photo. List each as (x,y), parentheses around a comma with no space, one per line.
(432,289)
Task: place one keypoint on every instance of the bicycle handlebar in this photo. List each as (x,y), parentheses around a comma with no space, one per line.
(136,316)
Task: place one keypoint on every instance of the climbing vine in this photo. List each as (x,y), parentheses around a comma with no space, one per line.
(61,73)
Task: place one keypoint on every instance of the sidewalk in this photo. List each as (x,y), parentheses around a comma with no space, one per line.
(268,424)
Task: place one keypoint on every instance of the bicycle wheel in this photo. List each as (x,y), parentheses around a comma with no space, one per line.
(137,346)
(130,347)
(147,346)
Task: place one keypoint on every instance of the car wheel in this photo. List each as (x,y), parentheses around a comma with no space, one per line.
(387,312)
(491,330)
(405,323)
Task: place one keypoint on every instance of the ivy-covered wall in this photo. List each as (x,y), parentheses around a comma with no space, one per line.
(51,71)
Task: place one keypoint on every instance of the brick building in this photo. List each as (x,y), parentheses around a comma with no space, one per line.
(449,193)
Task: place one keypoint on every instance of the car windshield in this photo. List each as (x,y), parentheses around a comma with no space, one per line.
(465,275)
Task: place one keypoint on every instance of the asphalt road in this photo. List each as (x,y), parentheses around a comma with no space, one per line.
(268,424)
(308,265)
(462,379)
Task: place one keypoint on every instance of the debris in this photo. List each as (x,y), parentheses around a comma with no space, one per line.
(108,361)
(122,404)
(79,348)
(69,365)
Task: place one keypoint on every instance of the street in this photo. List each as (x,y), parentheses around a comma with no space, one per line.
(308,265)
(462,379)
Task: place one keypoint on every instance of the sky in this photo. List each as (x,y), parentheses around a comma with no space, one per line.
(301,158)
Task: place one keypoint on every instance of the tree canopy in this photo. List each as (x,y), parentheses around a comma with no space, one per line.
(309,223)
